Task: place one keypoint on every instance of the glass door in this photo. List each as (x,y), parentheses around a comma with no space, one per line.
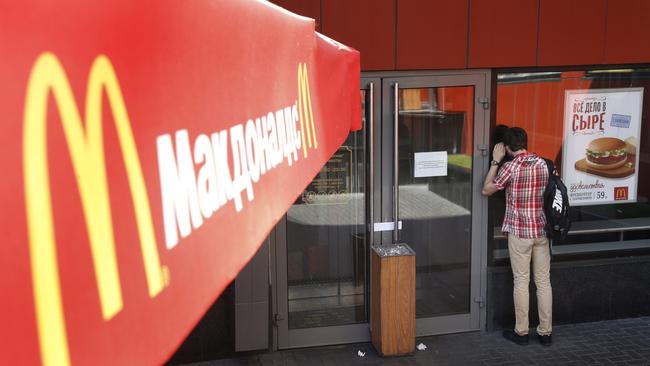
(427,134)
(431,176)
(322,247)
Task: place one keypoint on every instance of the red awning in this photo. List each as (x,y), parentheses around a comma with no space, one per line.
(148,148)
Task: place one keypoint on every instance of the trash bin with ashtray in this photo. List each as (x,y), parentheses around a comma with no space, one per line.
(393,299)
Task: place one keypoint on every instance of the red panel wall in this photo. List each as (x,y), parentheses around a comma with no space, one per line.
(503,33)
(571,32)
(366,25)
(308,8)
(628,31)
(431,34)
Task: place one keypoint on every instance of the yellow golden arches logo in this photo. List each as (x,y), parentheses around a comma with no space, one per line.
(86,149)
(620,193)
(307,130)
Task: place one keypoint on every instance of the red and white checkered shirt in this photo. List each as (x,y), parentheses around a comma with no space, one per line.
(524,179)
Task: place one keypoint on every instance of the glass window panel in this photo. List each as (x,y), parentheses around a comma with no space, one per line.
(535,102)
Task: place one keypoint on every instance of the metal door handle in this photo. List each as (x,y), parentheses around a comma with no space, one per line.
(396,169)
(371,166)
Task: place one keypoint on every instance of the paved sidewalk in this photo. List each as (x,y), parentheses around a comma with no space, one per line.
(615,342)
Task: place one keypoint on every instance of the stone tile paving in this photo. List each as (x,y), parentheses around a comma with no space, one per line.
(614,342)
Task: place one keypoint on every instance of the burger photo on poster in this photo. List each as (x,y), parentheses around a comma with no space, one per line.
(608,153)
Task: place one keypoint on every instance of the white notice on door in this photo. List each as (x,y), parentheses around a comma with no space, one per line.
(430,164)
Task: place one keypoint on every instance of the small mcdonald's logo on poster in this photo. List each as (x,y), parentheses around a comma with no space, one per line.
(620,193)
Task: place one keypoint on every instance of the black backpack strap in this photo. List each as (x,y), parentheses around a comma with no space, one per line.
(547,196)
(550,166)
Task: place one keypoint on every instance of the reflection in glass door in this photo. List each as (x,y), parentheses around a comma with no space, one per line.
(437,178)
(326,249)
(435,201)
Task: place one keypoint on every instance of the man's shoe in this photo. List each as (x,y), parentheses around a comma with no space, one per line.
(512,336)
(545,340)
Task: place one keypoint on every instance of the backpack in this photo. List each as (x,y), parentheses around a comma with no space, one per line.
(556,205)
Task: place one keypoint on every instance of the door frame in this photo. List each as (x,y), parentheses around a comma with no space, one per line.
(282,337)
(481,80)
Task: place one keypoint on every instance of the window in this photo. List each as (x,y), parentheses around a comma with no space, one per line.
(564,113)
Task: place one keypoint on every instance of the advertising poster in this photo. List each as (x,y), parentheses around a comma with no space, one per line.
(601,139)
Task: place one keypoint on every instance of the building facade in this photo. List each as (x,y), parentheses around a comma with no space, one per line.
(438,77)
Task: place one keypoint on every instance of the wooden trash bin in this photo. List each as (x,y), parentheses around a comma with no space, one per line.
(392,301)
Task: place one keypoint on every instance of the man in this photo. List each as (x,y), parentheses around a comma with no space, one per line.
(524,178)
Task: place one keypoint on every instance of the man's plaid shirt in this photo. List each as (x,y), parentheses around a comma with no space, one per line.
(524,179)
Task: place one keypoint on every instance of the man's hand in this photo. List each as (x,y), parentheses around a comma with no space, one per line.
(499,152)
(489,188)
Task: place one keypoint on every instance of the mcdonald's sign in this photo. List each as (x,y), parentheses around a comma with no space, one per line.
(87,155)
(306,113)
(142,171)
(621,193)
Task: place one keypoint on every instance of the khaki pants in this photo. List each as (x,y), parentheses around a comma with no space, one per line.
(521,250)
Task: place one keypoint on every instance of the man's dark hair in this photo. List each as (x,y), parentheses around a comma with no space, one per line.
(497,134)
(516,138)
